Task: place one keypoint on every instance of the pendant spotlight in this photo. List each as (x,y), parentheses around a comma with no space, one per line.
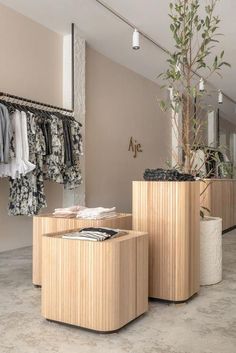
(136,41)
(171,93)
(220,97)
(201,85)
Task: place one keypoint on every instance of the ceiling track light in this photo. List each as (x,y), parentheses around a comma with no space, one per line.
(220,97)
(136,40)
(201,85)
(171,93)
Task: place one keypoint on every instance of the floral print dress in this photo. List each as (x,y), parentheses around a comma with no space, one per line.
(27,194)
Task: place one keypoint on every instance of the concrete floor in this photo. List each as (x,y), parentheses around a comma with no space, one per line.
(207,324)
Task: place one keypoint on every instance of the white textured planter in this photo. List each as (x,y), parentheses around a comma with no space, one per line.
(210,251)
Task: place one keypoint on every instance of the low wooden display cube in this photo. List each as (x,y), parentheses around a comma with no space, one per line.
(100,286)
(47,223)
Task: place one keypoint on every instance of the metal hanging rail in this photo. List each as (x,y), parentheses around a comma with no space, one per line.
(26,100)
(73,65)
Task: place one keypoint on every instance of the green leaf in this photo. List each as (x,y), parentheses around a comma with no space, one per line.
(214,29)
(163,105)
(225,64)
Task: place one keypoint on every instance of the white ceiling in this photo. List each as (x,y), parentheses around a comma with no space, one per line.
(107,34)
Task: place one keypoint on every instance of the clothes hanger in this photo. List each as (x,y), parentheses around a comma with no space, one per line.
(17,105)
(23,107)
(6,103)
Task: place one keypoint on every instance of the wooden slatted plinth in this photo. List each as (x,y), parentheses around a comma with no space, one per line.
(219,196)
(100,286)
(45,224)
(170,213)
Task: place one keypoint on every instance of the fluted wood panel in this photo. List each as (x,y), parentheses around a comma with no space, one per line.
(234,203)
(45,224)
(169,212)
(96,285)
(220,198)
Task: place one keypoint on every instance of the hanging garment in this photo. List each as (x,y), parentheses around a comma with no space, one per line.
(211,163)
(5,134)
(68,149)
(25,145)
(27,195)
(45,126)
(19,165)
(54,163)
(72,177)
(198,161)
(56,169)
(1,137)
(225,158)
(220,165)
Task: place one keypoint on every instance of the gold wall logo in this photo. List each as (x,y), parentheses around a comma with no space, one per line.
(134,147)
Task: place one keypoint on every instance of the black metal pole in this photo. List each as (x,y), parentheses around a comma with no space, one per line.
(218,128)
(26,100)
(73,65)
(195,116)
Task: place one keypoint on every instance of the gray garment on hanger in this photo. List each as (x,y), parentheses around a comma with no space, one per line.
(1,137)
(5,134)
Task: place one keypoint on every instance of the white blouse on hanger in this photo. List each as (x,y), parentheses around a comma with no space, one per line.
(20,164)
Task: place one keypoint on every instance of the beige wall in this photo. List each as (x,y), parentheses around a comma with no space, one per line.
(120,104)
(30,66)
(31,58)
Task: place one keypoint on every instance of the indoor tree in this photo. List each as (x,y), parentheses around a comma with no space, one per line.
(196,39)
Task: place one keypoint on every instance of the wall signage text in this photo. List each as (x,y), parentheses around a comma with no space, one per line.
(134,147)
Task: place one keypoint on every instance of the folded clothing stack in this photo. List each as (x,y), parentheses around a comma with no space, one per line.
(166,175)
(94,234)
(68,212)
(85,212)
(97,213)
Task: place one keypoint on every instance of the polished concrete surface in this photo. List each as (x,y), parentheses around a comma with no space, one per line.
(207,324)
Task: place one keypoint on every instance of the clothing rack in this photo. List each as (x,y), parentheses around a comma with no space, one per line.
(216,149)
(32,102)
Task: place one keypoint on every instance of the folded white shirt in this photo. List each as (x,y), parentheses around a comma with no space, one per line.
(73,210)
(97,213)
(85,212)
